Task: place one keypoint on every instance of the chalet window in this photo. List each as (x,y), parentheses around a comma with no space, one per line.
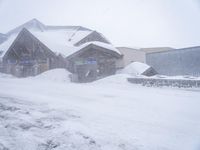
(12,61)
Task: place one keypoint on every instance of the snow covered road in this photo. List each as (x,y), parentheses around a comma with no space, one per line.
(49,113)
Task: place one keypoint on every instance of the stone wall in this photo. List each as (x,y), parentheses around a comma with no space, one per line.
(166,82)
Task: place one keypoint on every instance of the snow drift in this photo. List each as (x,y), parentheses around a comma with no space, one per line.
(57,75)
(3,75)
(138,68)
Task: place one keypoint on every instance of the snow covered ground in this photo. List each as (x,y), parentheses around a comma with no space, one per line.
(48,112)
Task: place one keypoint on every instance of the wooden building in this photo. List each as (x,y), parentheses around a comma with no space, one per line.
(93,61)
(27,56)
(33,48)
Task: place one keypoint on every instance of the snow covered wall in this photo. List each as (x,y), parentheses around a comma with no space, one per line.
(176,62)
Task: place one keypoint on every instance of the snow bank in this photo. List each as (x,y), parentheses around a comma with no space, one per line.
(114,79)
(176,77)
(58,75)
(135,68)
(3,75)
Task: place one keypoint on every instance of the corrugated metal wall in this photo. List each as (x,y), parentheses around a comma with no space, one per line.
(176,62)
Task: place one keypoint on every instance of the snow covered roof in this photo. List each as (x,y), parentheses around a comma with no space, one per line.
(59,39)
(33,24)
(94,44)
(71,33)
(36,25)
(135,68)
(5,45)
(100,44)
(62,41)
(3,37)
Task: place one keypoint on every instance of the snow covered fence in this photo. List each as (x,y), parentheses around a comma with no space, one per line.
(166,82)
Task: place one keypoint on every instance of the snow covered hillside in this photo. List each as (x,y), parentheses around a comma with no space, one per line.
(48,112)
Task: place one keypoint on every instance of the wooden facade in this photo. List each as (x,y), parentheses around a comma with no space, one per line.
(27,56)
(92,62)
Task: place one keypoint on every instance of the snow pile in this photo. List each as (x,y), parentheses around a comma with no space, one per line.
(114,79)
(3,75)
(176,77)
(135,68)
(57,75)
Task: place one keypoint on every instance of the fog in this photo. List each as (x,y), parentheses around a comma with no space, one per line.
(134,23)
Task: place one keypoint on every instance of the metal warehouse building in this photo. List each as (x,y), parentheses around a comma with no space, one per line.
(184,61)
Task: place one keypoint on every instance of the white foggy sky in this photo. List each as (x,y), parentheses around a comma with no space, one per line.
(135,23)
